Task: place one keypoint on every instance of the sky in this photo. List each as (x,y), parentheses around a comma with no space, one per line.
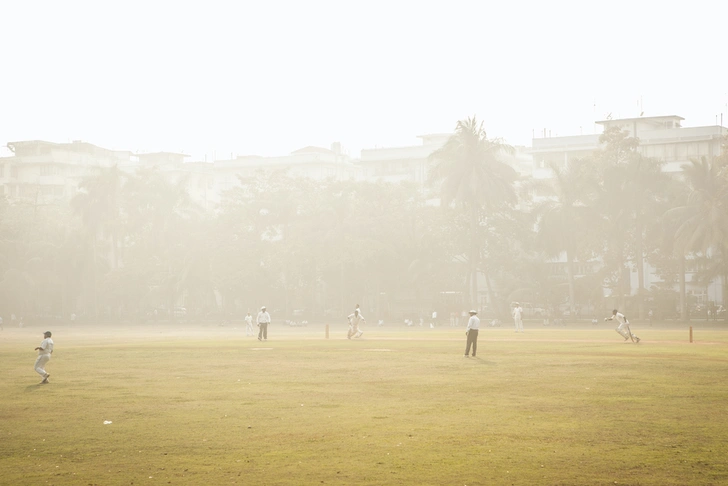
(213,79)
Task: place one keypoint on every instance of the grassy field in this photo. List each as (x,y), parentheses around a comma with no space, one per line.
(208,405)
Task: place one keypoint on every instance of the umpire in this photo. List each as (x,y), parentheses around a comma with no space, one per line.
(472,332)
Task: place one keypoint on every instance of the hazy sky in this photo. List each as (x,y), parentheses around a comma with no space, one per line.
(267,77)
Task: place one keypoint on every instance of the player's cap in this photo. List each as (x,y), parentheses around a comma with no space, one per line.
(48,333)
(473,312)
(614,311)
(262,308)
(516,303)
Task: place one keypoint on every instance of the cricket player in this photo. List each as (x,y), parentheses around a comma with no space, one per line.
(44,355)
(249,325)
(623,328)
(354,320)
(518,316)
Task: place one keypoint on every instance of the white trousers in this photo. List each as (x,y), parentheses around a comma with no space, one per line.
(353,330)
(40,363)
(519,324)
(625,331)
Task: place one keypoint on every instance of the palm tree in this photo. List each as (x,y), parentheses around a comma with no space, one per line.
(701,223)
(564,216)
(471,174)
(645,188)
(98,205)
(632,191)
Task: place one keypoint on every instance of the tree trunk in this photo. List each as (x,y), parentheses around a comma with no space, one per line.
(491,297)
(474,253)
(639,257)
(623,284)
(683,304)
(570,273)
(94,269)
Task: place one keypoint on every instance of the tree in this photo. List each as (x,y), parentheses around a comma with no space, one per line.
(632,189)
(564,216)
(701,223)
(98,205)
(472,175)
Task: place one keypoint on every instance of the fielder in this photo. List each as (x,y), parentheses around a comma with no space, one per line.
(44,355)
(354,320)
(518,316)
(623,328)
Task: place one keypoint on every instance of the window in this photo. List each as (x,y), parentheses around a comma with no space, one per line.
(46,170)
(682,151)
(670,152)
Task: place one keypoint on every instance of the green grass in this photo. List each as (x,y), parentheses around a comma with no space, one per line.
(210,406)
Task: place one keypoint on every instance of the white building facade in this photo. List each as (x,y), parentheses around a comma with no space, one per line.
(662,138)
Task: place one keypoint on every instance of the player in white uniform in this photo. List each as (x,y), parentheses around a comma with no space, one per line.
(623,328)
(44,355)
(354,320)
(249,325)
(518,316)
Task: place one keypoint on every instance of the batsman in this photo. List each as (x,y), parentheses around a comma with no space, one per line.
(354,320)
(623,328)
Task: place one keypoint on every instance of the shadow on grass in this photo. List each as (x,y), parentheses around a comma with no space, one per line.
(481,361)
(31,388)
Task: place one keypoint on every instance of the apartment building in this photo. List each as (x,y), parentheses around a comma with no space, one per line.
(661,137)
(312,162)
(43,171)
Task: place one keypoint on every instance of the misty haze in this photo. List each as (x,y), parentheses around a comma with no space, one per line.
(363,243)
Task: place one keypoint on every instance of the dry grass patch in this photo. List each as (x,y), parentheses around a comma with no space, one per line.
(550,406)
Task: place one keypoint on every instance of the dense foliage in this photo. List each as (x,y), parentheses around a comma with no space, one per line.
(136,247)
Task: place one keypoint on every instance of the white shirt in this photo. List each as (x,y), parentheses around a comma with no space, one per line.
(263,317)
(46,347)
(249,319)
(356,319)
(473,323)
(517,313)
(620,317)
